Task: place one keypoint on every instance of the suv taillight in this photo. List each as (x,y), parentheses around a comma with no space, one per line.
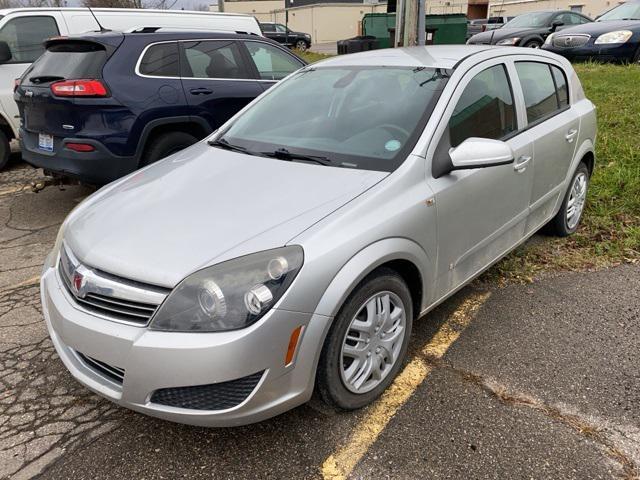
(79,88)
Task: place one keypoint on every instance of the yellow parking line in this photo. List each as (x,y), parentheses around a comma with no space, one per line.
(341,463)
(15,189)
(26,283)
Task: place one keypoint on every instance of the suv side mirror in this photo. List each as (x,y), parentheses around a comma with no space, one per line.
(556,24)
(480,153)
(5,52)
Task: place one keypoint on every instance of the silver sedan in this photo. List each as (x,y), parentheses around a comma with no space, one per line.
(294,248)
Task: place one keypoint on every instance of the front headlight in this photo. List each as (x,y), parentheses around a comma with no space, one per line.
(549,39)
(619,36)
(508,41)
(231,295)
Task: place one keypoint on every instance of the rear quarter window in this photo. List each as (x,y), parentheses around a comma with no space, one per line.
(161,60)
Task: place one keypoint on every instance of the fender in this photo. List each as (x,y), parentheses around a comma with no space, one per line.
(5,123)
(367,260)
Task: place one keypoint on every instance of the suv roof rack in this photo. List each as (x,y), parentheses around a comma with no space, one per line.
(148,29)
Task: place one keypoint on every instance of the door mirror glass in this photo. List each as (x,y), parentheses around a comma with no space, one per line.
(5,52)
(479,153)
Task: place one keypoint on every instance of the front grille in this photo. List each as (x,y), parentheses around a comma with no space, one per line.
(570,41)
(115,374)
(215,396)
(106,295)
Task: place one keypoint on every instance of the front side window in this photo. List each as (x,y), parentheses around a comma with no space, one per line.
(268,27)
(539,90)
(271,62)
(25,36)
(161,60)
(338,116)
(280,28)
(626,11)
(530,20)
(485,108)
(214,59)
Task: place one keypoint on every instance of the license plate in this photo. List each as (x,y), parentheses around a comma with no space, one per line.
(45,142)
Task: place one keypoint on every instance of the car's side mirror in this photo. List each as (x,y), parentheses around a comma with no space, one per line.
(556,24)
(480,153)
(5,52)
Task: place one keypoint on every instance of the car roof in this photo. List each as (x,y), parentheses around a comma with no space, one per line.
(434,56)
(173,34)
(9,11)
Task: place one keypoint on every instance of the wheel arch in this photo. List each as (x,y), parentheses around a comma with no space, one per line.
(7,128)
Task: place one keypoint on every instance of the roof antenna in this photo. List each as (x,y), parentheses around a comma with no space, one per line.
(102,29)
(493,30)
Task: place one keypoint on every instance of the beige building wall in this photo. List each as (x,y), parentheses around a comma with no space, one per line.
(591,8)
(443,7)
(261,9)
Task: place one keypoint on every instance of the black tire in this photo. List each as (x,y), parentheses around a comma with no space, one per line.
(5,150)
(301,45)
(636,57)
(166,144)
(533,44)
(559,226)
(329,383)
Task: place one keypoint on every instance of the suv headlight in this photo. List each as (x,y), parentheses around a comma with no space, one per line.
(231,295)
(619,36)
(508,41)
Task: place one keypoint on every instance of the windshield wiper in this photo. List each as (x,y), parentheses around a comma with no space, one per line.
(45,78)
(284,154)
(223,143)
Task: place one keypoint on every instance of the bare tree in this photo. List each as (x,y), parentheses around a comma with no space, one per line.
(37,3)
(112,3)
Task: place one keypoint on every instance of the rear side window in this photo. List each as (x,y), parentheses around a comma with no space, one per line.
(271,62)
(25,36)
(485,108)
(214,59)
(161,60)
(67,61)
(539,88)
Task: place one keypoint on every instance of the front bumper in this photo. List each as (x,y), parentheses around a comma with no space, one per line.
(98,167)
(601,53)
(154,360)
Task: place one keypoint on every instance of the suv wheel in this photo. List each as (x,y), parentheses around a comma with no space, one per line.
(568,218)
(301,45)
(5,150)
(164,145)
(367,343)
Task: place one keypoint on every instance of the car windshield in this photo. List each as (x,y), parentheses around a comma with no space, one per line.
(626,11)
(530,20)
(355,117)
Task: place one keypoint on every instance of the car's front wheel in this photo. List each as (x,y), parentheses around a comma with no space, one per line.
(367,343)
(568,218)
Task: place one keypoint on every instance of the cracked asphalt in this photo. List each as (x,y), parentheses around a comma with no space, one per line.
(540,381)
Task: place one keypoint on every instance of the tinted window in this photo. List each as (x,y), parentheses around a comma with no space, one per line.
(268,27)
(271,62)
(214,59)
(485,108)
(67,60)
(280,28)
(25,36)
(161,60)
(339,113)
(569,19)
(538,88)
(561,86)
(530,20)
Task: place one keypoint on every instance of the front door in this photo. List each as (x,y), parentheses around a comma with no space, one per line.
(481,212)
(217,78)
(271,63)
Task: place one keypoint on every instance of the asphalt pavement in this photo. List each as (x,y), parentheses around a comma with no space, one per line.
(524,381)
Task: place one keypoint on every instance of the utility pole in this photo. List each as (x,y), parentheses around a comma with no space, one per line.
(221,5)
(410,18)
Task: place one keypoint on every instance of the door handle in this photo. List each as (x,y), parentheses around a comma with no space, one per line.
(200,91)
(521,164)
(570,135)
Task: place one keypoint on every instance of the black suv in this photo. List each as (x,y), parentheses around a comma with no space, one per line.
(98,106)
(284,36)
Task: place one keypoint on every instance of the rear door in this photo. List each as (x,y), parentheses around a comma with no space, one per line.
(217,79)
(553,127)
(271,63)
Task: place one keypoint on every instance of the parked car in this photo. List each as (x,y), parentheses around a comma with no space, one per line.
(24,30)
(479,25)
(530,29)
(98,106)
(297,246)
(614,36)
(285,36)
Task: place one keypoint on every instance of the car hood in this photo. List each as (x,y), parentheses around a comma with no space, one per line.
(494,36)
(202,206)
(598,28)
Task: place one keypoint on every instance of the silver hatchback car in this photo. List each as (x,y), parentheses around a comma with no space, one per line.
(293,250)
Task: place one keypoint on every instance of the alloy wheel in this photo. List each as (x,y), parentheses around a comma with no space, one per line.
(577,199)
(371,347)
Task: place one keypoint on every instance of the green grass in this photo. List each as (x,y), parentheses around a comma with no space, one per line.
(311,57)
(610,230)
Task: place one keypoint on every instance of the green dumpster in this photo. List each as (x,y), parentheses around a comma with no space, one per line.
(441,29)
